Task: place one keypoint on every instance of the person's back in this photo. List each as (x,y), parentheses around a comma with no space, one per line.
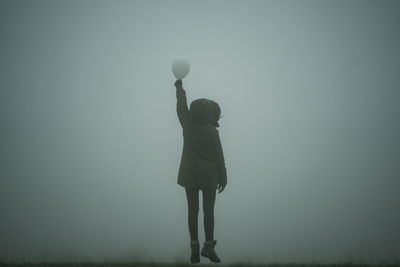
(199,166)
(202,166)
(202,162)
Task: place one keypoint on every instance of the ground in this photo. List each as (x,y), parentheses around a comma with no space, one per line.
(184,264)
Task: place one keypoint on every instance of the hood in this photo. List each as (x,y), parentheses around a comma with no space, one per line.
(204,111)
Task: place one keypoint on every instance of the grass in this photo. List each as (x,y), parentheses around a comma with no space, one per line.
(185,264)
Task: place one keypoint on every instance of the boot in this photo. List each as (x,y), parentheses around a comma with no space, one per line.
(209,252)
(195,246)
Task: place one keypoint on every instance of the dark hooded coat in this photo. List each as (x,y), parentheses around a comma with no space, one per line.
(202,163)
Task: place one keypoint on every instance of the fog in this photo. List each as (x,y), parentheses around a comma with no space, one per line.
(91,142)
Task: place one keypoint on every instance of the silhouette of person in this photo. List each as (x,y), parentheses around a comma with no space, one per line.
(202,167)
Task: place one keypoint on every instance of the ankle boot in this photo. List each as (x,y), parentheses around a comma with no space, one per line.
(195,256)
(209,252)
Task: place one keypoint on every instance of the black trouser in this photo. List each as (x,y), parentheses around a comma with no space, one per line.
(192,195)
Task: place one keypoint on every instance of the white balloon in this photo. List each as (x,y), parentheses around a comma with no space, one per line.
(180,67)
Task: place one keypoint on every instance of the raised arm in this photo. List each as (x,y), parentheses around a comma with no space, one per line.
(222,178)
(181,103)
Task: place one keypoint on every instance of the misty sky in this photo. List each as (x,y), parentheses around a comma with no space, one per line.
(91,143)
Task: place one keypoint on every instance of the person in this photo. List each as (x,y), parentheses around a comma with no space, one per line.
(202,167)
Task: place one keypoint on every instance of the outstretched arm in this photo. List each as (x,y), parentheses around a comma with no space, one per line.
(181,103)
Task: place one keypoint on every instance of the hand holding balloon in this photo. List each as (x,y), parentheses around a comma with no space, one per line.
(178,84)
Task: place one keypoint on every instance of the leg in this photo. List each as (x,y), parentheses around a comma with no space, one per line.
(208,210)
(192,196)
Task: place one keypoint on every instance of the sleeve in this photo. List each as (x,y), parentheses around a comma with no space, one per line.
(181,106)
(222,178)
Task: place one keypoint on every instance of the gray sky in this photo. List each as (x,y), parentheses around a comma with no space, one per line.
(90,140)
